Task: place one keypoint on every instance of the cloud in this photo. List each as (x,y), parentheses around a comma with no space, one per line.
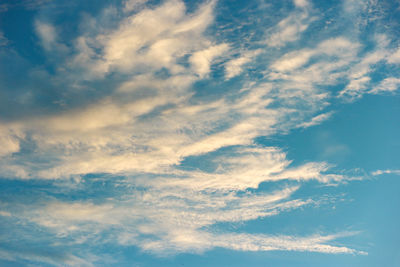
(47,34)
(395,57)
(290,29)
(9,141)
(9,145)
(3,40)
(387,85)
(172,221)
(248,242)
(380,172)
(131,5)
(48,37)
(339,47)
(316,120)
(43,257)
(5,213)
(202,60)
(138,105)
(149,40)
(248,167)
(133,46)
(110,135)
(359,79)
(301,3)
(235,66)
(265,243)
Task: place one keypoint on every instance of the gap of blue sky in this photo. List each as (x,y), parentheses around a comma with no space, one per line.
(199,133)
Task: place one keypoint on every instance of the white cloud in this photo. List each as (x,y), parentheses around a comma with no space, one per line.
(131,5)
(9,140)
(356,86)
(5,213)
(288,30)
(58,259)
(380,172)
(337,47)
(301,3)
(47,34)
(359,74)
(148,40)
(292,61)
(253,242)
(147,125)
(48,37)
(202,60)
(169,221)
(247,168)
(387,85)
(316,120)
(110,136)
(235,66)
(249,242)
(394,58)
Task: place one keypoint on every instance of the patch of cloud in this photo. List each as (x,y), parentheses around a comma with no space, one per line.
(359,74)
(132,5)
(387,85)
(113,130)
(266,243)
(247,168)
(169,221)
(9,141)
(380,172)
(335,60)
(201,60)
(394,58)
(112,137)
(150,40)
(48,36)
(5,213)
(66,259)
(234,67)
(337,47)
(316,120)
(301,3)
(3,40)
(249,242)
(363,13)
(290,29)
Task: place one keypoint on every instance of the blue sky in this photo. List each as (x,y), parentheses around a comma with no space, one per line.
(199,133)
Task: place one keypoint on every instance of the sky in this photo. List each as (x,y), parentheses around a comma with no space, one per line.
(199,133)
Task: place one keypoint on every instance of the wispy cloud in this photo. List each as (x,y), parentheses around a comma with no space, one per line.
(387,85)
(3,40)
(235,66)
(380,172)
(290,29)
(201,60)
(172,221)
(139,98)
(316,120)
(27,4)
